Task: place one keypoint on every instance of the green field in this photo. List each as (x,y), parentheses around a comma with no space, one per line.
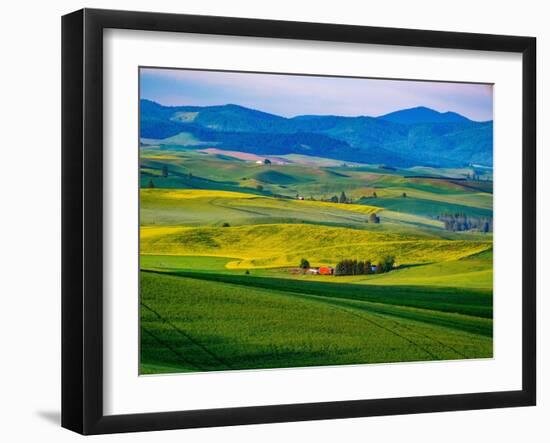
(221,240)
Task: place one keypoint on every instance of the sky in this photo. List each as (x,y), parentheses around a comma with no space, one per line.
(291,95)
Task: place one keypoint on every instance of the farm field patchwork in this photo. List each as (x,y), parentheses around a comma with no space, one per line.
(221,287)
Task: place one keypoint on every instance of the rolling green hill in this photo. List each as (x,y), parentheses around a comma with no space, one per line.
(426,196)
(209,207)
(221,239)
(198,325)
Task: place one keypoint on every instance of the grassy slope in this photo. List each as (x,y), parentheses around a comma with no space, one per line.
(200,325)
(473,302)
(203,207)
(193,207)
(474,272)
(281,245)
(427,207)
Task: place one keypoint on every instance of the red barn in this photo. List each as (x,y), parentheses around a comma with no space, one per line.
(326,270)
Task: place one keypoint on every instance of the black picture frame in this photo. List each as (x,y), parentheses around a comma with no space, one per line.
(82,218)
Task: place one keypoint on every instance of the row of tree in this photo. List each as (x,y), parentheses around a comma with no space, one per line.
(360,267)
(344,198)
(463,222)
(476,177)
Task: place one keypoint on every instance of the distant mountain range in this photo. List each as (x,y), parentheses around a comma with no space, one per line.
(410,137)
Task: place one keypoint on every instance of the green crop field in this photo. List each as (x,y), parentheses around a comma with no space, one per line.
(191,324)
(221,242)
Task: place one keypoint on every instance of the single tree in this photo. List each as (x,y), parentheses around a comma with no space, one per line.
(151,184)
(334,199)
(225,225)
(404,195)
(259,187)
(165,171)
(374,194)
(304,264)
(373,218)
(343,198)
(267,161)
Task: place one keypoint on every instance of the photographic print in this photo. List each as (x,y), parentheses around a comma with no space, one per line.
(304,220)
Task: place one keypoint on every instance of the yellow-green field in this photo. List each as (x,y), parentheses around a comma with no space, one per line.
(282,245)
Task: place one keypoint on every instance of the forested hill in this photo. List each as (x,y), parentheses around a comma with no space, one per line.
(409,137)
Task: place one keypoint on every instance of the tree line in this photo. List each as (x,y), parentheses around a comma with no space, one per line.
(343,198)
(360,267)
(463,222)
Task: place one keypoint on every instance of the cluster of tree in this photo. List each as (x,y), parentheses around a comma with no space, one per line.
(353,267)
(463,222)
(476,177)
(342,199)
(359,267)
